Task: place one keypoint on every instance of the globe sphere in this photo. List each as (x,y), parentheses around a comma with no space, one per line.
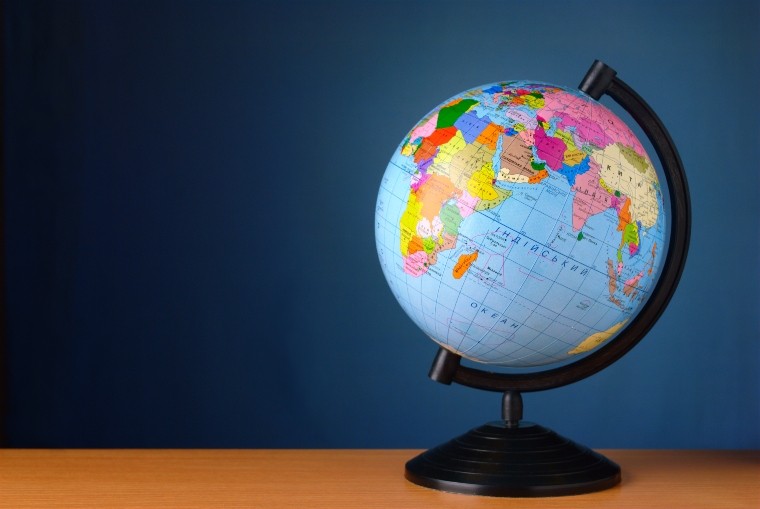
(521,224)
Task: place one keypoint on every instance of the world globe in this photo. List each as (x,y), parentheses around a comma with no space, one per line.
(521,224)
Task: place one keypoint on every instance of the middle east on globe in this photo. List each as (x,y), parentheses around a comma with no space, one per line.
(521,224)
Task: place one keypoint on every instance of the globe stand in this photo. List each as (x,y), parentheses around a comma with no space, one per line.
(515,458)
(509,458)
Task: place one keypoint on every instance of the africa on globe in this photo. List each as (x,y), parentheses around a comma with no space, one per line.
(521,224)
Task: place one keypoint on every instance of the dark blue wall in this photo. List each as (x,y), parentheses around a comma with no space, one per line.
(189,202)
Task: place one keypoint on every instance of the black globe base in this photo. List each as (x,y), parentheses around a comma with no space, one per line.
(501,459)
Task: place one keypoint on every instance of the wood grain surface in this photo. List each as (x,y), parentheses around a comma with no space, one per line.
(342,478)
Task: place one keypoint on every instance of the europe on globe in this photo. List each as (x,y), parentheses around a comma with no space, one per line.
(521,224)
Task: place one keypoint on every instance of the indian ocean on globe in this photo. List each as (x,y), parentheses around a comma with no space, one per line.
(521,224)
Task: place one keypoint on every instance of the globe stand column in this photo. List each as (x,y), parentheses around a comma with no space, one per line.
(512,409)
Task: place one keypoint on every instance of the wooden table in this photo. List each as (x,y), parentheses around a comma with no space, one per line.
(334,479)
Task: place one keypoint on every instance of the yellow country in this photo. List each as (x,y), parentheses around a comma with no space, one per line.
(573,157)
(605,187)
(481,183)
(534,102)
(408,222)
(597,339)
(567,138)
(448,149)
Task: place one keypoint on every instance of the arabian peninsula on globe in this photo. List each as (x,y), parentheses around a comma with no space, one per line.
(521,224)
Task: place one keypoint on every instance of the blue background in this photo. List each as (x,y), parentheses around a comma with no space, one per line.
(189,200)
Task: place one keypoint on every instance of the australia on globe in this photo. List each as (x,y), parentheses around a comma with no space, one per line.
(521,224)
